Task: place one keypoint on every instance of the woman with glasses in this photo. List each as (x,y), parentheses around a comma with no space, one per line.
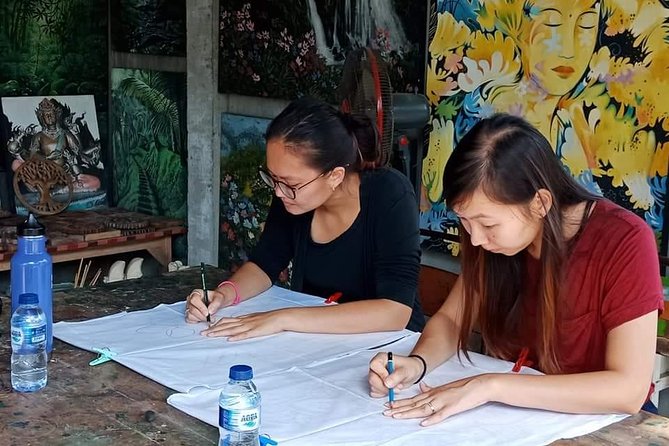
(348,224)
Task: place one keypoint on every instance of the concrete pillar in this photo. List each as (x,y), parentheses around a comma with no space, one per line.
(203,120)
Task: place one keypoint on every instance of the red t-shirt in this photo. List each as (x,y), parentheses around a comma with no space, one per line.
(612,277)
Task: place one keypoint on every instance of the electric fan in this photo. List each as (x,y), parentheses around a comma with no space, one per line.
(400,118)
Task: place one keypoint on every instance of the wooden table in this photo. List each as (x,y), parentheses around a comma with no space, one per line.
(110,404)
(65,243)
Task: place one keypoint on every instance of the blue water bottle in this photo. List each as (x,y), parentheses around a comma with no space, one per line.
(32,270)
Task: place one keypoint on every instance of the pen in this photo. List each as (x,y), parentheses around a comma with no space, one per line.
(334,297)
(522,360)
(204,289)
(391,369)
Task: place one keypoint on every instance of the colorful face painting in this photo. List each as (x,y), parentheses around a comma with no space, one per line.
(588,74)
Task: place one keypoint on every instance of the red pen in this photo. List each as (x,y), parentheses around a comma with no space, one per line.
(334,297)
(522,360)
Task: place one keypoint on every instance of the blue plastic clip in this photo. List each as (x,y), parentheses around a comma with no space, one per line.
(104,355)
(266,441)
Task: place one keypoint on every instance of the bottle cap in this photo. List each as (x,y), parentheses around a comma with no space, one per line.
(28,299)
(30,227)
(241,372)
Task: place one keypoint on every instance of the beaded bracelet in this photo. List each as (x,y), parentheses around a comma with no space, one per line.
(422,375)
(238,297)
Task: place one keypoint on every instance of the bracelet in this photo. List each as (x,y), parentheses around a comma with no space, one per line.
(238,297)
(422,375)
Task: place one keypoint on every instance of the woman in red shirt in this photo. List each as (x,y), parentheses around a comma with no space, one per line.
(552,274)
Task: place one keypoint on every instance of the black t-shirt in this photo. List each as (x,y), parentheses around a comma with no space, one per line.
(378,257)
(324,271)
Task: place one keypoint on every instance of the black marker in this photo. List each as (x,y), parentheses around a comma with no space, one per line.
(204,288)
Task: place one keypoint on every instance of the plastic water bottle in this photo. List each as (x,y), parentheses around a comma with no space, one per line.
(239,409)
(28,326)
(32,270)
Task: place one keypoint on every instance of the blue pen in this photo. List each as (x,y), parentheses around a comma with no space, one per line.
(391,369)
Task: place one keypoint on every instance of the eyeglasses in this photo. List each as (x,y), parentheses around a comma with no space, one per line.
(286,189)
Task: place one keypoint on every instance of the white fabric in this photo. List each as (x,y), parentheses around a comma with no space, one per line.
(328,404)
(159,344)
(313,386)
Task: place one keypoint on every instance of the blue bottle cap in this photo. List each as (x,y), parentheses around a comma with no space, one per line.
(31,227)
(241,372)
(28,299)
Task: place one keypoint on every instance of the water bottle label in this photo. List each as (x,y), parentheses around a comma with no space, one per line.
(28,335)
(239,420)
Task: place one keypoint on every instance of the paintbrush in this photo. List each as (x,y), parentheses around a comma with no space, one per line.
(76,276)
(94,281)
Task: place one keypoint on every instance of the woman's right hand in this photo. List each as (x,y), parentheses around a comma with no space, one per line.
(407,371)
(197,311)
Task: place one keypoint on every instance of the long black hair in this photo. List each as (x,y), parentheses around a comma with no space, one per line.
(510,161)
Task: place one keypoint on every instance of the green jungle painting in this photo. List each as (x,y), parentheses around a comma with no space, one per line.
(149,26)
(148,113)
(297,48)
(53,47)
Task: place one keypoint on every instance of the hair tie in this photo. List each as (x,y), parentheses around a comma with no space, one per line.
(238,297)
(422,375)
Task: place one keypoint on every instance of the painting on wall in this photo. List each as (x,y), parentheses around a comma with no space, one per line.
(53,48)
(155,27)
(148,113)
(292,49)
(244,197)
(63,129)
(590,75)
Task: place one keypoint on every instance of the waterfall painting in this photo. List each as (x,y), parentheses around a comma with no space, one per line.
(292,49)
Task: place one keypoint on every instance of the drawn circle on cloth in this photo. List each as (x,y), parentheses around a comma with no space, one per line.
(171,331)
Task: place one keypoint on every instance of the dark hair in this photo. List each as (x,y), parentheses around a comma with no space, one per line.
(509,160)
(327,137)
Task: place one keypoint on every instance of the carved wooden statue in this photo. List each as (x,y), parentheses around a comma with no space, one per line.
(46,178)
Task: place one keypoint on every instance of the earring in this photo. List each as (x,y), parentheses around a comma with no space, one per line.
(334,187)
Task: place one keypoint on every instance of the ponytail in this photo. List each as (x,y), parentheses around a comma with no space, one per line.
(366,141)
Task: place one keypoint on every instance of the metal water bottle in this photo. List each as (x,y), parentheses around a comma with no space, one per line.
(32,270)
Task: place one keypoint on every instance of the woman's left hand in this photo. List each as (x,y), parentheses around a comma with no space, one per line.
(435,404)
(248,326)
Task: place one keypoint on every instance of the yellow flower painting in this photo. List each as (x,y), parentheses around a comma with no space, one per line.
(591,75)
